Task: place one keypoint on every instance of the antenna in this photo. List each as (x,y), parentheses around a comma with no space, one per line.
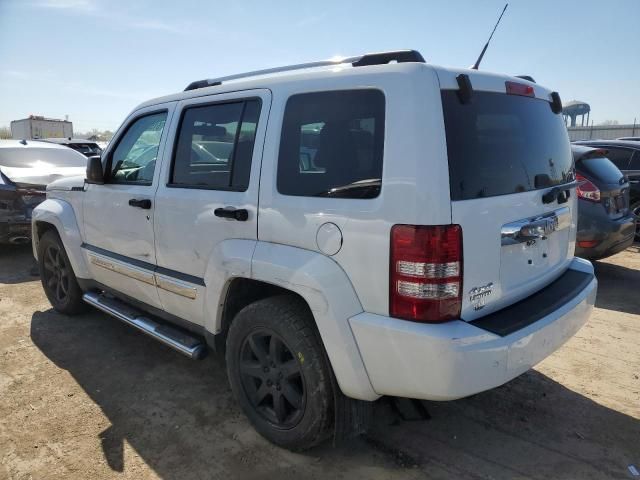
(477,64)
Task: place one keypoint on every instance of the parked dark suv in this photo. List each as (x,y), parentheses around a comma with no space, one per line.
(605,223)
(625,154)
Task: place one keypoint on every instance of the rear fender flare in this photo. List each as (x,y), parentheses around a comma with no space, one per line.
(322,283)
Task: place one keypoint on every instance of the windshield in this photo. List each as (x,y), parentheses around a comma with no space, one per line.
(500,144)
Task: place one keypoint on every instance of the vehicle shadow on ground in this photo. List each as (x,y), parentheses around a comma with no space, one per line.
(617,287)
(180,417)
(17,264)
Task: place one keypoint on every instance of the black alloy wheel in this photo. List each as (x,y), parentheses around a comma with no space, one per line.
(279,372)
(56,273)
(272,379)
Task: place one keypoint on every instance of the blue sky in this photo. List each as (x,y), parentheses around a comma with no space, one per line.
(95,60)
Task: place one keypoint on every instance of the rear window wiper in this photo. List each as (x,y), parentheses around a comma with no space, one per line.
(559,192)
(373,183)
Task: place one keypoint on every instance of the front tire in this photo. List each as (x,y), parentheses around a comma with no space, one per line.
(279,373)
(58,280)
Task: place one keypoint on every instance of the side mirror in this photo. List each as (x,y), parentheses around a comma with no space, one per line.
(95,174)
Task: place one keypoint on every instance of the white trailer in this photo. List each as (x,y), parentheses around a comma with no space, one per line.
(36,126)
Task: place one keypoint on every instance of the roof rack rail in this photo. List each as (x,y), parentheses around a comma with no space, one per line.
(526,77)
(399,56)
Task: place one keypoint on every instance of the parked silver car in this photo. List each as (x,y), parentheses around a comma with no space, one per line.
(26,168)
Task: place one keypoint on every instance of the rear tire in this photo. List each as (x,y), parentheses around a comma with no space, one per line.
(57,277)
(279,373)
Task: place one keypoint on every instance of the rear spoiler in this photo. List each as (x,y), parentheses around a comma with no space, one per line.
(465,91)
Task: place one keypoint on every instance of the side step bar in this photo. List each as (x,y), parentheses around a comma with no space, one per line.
(173,337)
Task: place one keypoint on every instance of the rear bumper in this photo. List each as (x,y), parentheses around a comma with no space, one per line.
(613,236)
(457,359)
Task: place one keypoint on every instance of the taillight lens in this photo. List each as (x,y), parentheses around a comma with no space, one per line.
(515,88)
(586,189)
(425,277)
(587,243)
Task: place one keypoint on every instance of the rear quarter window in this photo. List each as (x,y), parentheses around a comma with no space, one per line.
(635,161)
(332,144)
(501,144)
(619,156)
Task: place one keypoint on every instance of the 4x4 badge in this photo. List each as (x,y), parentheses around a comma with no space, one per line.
(478,295)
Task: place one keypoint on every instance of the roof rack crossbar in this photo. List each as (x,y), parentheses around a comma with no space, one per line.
(399,56)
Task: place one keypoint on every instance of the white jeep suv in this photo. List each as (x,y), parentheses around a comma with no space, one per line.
(340,230)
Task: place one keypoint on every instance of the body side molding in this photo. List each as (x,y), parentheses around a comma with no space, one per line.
(169,280)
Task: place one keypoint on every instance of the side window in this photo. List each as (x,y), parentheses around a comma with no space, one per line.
(635,161)
(332,144)
(620,157)
(134,158)
(215,146)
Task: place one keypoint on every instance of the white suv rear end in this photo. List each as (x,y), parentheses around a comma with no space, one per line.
(498,289)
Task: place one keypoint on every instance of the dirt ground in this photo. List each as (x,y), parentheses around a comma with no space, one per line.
(88,397)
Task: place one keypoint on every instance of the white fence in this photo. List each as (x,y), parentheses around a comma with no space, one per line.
(602,132)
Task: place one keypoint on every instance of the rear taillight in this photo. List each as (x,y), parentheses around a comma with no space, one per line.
(586,189)
(587,243)
(515,88)
(425,272)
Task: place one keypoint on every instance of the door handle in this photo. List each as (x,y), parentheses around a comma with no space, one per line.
(143,203)
(240,214)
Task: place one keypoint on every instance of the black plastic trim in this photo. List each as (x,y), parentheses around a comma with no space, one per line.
(180,276)
(525,312)
(147,266)
(400,56)
(201,84)
(465,91)
(556,103)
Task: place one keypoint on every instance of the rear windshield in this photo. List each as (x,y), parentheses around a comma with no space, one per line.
(500,144)
(600,170)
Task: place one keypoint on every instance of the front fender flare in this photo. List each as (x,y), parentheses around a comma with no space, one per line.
(61,215)
(329,293)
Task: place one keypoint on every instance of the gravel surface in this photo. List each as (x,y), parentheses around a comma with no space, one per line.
(88,397)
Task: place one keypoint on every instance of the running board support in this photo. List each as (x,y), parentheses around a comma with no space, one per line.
(173,337)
